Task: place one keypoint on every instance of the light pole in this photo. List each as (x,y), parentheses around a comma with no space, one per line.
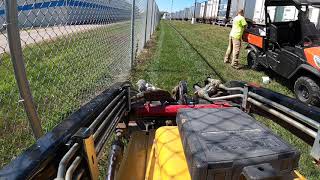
(193,21)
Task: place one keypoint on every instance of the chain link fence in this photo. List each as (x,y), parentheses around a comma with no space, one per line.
(70,51)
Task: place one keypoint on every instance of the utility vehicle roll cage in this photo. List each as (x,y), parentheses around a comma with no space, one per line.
(74,147)
(297,3)
(307,31)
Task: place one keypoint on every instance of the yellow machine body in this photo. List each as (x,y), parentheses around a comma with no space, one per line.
(155,156)
(158,155)
(167,159)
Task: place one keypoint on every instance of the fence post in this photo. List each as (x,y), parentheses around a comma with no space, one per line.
(151,24)
(146,24)
(133,31)
(13,34)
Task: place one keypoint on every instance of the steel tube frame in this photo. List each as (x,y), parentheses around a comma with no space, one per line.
(231,89)
(106,136)
(105,111)
(101,127)
(73,167)
(226,97)
(289,120)
(13,34)
(65,160)
(288,111)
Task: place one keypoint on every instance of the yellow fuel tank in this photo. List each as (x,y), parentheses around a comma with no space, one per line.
(167,159)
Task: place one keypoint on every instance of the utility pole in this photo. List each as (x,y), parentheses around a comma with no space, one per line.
(193,21)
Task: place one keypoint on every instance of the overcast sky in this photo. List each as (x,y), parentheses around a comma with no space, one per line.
(165,5)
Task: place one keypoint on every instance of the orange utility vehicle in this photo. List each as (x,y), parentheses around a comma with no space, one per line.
(289,48)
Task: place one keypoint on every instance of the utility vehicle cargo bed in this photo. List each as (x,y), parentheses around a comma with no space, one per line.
(219,143)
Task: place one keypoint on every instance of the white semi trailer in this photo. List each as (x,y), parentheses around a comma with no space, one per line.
(212,11)
(203,10)
(249,7)
(288,13)
(196,10)
(314,15)
(187,14)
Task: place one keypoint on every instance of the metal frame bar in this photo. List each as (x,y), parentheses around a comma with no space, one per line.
(288,111)
(16,53)
(73,167)
(289,120)
(105,111)
(106,136)
(234,96)
(101,127)
(65,160)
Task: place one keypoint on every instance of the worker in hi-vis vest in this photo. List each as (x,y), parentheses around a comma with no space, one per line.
(238,27)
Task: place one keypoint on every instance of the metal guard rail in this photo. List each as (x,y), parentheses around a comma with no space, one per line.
(49,156)
(300,119)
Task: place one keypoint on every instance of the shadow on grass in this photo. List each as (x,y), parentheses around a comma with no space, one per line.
(200,55)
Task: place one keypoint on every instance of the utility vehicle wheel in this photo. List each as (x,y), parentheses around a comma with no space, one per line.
(253,63)
(307,90)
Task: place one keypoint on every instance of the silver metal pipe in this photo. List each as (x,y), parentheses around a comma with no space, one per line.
(13,34)
(105,111)
(101,127)
(73,167)
(286,110)
(289,120)
(230,89)
(65,160)
(116,120)
(226,97)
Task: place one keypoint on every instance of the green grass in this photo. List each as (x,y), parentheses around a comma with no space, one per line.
(63,74)
(172,59)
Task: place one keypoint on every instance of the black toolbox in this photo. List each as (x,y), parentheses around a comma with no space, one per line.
(224,143)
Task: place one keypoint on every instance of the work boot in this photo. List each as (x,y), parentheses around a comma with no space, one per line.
(237,67)
(226,60)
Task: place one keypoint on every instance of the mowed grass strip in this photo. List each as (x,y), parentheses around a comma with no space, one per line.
(173,59)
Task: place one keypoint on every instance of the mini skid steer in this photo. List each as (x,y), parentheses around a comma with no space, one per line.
(153,134)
